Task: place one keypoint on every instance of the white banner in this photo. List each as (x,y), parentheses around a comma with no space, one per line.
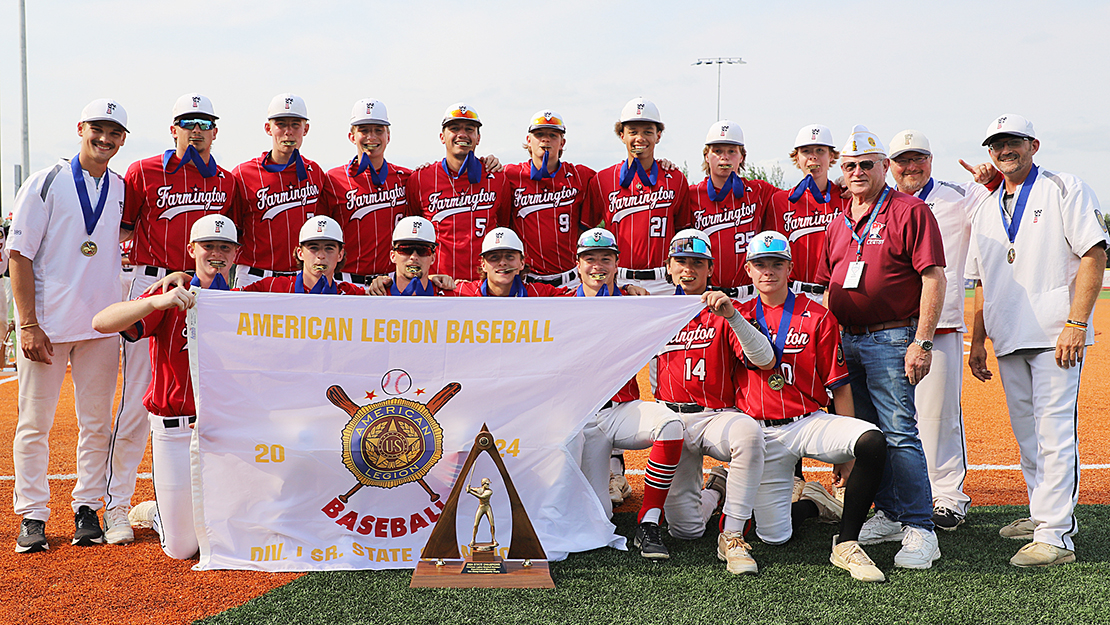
(291,476)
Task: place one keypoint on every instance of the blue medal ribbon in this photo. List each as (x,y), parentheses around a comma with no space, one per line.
(628,172)
(517,290)
(207,170)
(320,288)
(218,283)
(92,215)
(779,340)
(735,184)
(414,287)
(1011,227)
(603,292)
(925,191)
(302,173)
(808,184)
(867,229)
(360,164)
(678,290)
(541,173)
(472,167)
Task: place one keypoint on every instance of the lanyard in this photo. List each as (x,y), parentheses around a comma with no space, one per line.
(92,215)
(541,173)
(302,173)
(218,283)
(472,167)
(360,164)
(925,191)
(517,290)
(207,170)
(320,288)
(734,183)
(1011,227)
(867,228)
(808,184)
(784,324)
(636,169)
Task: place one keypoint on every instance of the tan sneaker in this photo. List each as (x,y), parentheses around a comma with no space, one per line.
(117,529)
(142,515)
(619,488)
(828,507)
(733,549)
(840,494)
(799,484)
(1021,529)
(851,557)
(1042,554)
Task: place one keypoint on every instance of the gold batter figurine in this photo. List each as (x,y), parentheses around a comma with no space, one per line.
(483,493)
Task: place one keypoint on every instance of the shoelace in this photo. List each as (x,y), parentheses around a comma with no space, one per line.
(856,555)
(732,542)
(914,540)
(652,533)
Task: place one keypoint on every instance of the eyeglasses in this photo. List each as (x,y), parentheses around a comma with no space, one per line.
(203,124)
(1013,143)
(419,250)
(916,160)
(691,245)
(864,165)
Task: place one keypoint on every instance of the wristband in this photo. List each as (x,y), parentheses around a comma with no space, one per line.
(28,325)
(1077,324)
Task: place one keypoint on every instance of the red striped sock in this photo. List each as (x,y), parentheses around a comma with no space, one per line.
(662,462)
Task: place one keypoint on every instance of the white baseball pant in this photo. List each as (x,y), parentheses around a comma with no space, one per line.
(173,490)
(940,422)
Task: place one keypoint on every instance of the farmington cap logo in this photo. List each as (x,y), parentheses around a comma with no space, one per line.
(724,129)
(111,108)
(1001,120)
(219,225)
(814,133)
(640,108)
(369,107)
(288,103)
(196,101)
(321,224)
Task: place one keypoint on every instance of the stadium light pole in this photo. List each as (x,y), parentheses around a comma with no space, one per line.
(719,61)
(23,66)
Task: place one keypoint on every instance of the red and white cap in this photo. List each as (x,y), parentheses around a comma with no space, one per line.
(321,228)
(214,227)
(369,111)
(814,134)
(640,110)
(502,239)
(547,119)
(462,111)
(415,230)
(193,104)
(287,105)
(909,141)
(104,110)
(1010,124)
(863,141)
(725,131)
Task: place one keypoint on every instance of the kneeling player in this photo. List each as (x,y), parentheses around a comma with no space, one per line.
(500,267)
(319,256)
(412,255)
(213,243)
(788,400)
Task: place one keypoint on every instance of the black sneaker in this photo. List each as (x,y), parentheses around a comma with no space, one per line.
(32,537)
(947,519)
(649,540)
(88,532)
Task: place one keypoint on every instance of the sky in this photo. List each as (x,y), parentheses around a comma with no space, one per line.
(946,69)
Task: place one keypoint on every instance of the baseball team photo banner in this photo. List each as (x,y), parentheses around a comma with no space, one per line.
(330,429)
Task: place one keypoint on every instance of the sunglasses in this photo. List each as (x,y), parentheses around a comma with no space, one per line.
(463,114)
(1013,143)
(864,165)
(690,245)
(189,124)
(916,160)
(409,250)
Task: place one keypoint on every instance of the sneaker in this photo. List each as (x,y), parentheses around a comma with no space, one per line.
(649,540)
(87,530)
(946,518)
(32,537)
(849,556)
(142,515)
(1042,554)
(830,510)
(718,478)
(799,484)
(919,549)
(117,527)
(733,549)
(880,529)
(1021,529)
(619,488)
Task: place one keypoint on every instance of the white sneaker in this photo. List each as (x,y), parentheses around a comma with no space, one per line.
(919,549)
(142,515)
(117,529)
(619,488)
(733,549)
(880,529)
(849,556)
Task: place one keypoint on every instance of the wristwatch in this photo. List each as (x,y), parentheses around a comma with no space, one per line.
(925,345)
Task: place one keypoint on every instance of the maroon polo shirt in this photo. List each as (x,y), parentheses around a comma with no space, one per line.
(902,242)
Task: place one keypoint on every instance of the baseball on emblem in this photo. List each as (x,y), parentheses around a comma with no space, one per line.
(396,382)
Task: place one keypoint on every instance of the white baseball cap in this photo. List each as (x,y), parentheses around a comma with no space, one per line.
(768,244)
(214,227)
(814,134)
(640,110)
(191,103)
(725,131)
(287,105)
(321,228)
(463,111)
(415,230)
(597,239)
(863,141)
(502,239)
(1010,124)
(909,141)
(691,243)
(104,110)
(369,111)
(546,119)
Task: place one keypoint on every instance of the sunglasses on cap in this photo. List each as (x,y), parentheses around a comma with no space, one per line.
(547,121)
(463,114)
(409,250)
(1013,143)
(203,124)
(864,165)
(691,245)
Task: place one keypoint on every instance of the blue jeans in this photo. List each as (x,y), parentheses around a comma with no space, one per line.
(884,396)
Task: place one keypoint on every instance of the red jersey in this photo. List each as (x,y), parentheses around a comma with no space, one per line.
(644,218)
(803,223)
(275,206)
(729,224)
(368,213)
(547,214)
(902,241)
(288,284)
(170,393)
(698,364)
(531,289)
(394,291)
(812,363)
(462,212)
(160,208)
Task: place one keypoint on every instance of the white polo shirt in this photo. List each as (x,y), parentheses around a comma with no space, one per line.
(952,204)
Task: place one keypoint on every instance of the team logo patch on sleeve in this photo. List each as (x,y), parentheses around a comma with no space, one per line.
(839,355)
(1101,220)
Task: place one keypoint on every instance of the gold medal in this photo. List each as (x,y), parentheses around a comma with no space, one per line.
(776,381)
(1010,256)
(88,248)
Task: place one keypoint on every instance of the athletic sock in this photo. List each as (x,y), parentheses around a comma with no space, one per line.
(662,462)
(802,510)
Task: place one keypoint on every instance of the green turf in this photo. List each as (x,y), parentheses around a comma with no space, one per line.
(972,583)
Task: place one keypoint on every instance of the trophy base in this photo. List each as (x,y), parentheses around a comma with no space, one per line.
(455,574)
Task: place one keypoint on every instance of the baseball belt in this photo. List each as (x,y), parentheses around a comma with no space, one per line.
(173,422)
(775,423)
(558,279)
(642,274)
(266,273)
(687,408)
(806,287)
(876,327)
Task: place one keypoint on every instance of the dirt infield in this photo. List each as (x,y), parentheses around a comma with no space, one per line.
(137,583)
